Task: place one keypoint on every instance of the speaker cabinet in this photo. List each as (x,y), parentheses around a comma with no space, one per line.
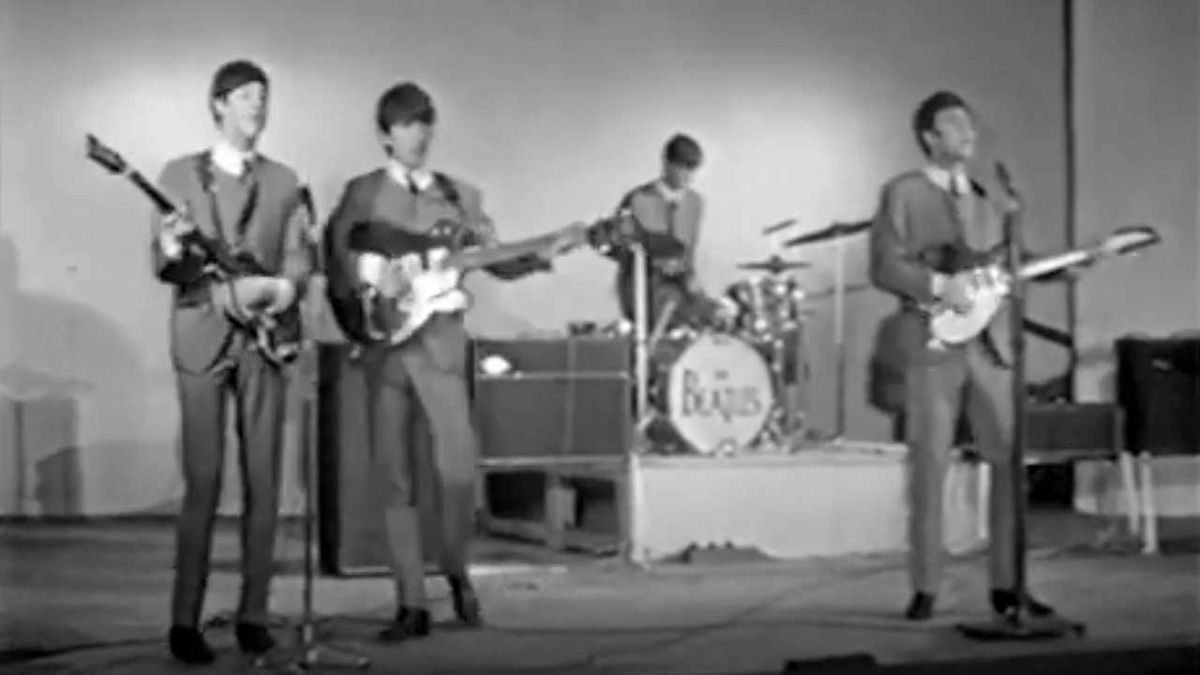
(351,535)
(1158,385)
(1070,428)
(555,398)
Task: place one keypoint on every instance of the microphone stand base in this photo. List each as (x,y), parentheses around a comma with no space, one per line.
(1022,628)
(308,654)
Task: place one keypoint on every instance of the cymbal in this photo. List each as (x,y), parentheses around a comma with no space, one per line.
(832,232)
(774,265)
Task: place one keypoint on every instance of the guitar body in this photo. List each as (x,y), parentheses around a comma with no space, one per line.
(951,327)
(416,281)
(246,290)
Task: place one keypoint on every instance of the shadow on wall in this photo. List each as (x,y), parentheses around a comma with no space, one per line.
(43,386)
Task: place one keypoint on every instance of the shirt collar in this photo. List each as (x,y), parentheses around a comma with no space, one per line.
(669,193)
(942,178)
(422,177)
(230,159)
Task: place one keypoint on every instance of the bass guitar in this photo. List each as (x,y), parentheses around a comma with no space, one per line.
(990,283)
(416,276)
(240,283)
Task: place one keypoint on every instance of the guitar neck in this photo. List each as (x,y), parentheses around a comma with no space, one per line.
(216,252)
(162,202)
(474,258)
(1053,263)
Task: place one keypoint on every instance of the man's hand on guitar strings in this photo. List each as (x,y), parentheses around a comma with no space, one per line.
(957,291)
(283,297)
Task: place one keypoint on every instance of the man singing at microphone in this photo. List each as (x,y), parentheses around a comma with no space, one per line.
(921,211)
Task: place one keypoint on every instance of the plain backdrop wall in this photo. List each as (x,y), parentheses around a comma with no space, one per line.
(553,108)
(1138,114)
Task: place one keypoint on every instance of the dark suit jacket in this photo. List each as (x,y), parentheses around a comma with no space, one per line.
(275,235)
(374,197)
(914,216)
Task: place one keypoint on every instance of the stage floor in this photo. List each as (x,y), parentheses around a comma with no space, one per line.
(99,592)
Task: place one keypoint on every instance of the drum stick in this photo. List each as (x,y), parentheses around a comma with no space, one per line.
(661,325)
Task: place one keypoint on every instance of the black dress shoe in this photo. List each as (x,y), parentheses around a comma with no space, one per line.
(253,638)
(920,607)
(410,622)
(466,603)
(1004,602)
(188,645)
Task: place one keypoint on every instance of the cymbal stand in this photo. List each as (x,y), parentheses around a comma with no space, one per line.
(640,346)
(839,335)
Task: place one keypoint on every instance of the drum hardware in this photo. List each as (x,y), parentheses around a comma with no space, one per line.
(838,233)
(660,326)
(832,290)
(773,265)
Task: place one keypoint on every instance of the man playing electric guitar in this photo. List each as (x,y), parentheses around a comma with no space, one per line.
(923,211)
(404,199)
(250,204)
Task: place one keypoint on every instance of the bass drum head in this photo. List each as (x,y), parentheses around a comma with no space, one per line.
(719,393)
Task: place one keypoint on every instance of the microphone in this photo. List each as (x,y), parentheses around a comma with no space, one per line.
(306,200)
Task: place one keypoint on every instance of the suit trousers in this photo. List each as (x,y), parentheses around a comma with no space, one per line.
(259,391)
(396,378)
(937,390)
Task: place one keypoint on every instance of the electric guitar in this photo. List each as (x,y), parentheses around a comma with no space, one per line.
(991,283)
(241,284)
(420,275)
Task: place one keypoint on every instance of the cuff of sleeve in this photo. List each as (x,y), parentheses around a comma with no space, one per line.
(172,248)
(937,283)
(369,268)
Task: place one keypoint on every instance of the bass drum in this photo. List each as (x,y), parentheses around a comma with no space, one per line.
(714,392)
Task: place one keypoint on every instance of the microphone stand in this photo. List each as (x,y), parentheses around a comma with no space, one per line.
(839,336)
(309,653)
(1017,626)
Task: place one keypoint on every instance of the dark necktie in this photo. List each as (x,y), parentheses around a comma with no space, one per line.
(412,185)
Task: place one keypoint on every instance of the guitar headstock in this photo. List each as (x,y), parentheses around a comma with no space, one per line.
(105,156)
(612,231)
(1128,239)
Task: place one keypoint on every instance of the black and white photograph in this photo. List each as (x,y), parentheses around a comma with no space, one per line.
(679,337)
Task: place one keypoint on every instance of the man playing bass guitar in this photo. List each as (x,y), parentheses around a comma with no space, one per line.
(405,200)
(246,203)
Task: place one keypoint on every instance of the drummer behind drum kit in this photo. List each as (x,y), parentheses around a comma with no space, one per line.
(737,378)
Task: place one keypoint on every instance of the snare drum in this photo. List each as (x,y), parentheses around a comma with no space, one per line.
(714,390)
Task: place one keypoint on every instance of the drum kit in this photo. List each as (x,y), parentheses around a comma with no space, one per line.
(733,375)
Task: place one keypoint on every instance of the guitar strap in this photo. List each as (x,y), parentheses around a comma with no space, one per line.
(204,170)
(462,233)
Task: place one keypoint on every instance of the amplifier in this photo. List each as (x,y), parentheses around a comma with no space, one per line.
(557,397)
(1158,385)
(1072,427)
(351,535)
